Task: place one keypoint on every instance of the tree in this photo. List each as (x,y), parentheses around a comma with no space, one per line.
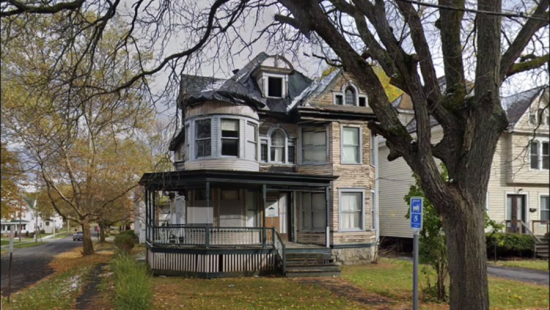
(481,43)
(12,174)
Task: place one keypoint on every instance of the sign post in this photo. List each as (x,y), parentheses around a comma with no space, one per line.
(416,225)
(12,228)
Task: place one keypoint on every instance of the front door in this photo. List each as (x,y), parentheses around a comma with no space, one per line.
(515,212)
(284,229)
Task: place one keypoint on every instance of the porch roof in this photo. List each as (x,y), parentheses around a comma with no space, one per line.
(176,180)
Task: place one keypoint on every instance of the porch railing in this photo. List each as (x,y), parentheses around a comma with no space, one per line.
(279,246)
(542,227)
(519,227)
(206,236)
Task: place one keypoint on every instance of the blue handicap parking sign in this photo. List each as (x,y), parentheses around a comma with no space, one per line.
(416,213)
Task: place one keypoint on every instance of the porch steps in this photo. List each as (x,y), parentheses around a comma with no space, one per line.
(541,249)
(310,263)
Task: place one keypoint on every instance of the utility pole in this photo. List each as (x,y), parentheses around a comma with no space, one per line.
(36,229)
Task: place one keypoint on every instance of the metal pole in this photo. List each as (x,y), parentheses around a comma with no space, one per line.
(415,270)
(11,262)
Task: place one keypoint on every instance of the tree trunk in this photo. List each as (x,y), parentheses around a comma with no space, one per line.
(464,227)
(101,233)
(87,244)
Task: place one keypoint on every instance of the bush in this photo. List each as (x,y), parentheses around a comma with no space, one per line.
(126,241)
(42,231)
(510,244)
(132,284)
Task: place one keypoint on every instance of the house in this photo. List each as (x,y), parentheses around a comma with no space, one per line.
(271,168)
(518,187)
(27,219)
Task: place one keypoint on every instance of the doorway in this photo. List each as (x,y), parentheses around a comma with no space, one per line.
(277,214)
(515,213)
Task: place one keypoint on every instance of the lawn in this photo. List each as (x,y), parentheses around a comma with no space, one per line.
(392,278)
(537,264)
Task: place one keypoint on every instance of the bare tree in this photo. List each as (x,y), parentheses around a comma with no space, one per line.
(486,42)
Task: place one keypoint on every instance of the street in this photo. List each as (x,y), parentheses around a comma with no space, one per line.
(31,264)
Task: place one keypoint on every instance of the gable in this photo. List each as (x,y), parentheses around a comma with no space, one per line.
(335,83)
(520,106)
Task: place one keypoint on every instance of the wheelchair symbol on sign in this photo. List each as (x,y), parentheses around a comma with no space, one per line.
(416,219)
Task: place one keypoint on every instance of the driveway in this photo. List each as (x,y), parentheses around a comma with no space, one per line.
(523,275)
(31,264)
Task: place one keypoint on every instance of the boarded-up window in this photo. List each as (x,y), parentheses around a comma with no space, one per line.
(314,210)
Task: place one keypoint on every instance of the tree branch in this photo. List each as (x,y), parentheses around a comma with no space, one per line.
(41,9)
(534,63)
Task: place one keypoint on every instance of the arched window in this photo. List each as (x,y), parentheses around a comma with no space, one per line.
(350,96)
(278,146)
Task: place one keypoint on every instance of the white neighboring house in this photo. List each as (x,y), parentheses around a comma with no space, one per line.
(518,190)
(29,220)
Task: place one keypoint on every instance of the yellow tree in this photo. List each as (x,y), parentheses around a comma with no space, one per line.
(12,173)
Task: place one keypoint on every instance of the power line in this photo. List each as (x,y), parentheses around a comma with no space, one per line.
(453,8)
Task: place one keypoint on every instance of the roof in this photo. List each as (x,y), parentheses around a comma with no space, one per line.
(177,180)
(242,88)
(515,106)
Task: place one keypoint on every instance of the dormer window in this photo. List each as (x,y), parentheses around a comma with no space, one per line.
(274,85)
(350,96)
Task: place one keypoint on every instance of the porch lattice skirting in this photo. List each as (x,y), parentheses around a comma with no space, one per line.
(212,263)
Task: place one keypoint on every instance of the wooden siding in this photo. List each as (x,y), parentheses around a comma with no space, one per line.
(217,107)
(513,159)
(222,164)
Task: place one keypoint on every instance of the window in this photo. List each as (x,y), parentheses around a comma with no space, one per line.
(372,215)
(338,100)
(539,155)
(292,151)
(263,150)
(47,223)
(350,145)
(275,87)
(203,138)
(540,115)
(544,207)
(533,118)
(187,139)
(372,150)
(314,145)
(362,101)
(251,141)
(351,210)
(314,216)
(350,96)
(277,148)
(230,137)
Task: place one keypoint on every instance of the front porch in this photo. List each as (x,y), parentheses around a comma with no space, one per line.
(232,223)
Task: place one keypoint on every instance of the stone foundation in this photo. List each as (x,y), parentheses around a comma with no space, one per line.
(354,256)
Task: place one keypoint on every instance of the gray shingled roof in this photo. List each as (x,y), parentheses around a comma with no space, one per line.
(515,106)
(241,88)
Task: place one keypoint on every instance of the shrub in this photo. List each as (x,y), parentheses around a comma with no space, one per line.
(132,284)
(510,244)
(126,241)
(42,231)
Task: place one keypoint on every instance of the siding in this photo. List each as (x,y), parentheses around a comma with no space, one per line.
(222,164)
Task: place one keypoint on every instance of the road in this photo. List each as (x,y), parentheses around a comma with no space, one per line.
(30,265)
(523,275)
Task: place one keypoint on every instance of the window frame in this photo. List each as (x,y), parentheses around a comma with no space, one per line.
(187,154)
(334,97)
(540,149)
(540,208)
(256,139)
(302,147)
(363,206)
(221,137)
(270,145)
(359,146)
(195,140)
(302,217)
(264,140)
(354,97)
(265,79)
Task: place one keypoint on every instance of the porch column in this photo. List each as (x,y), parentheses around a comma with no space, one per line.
(327,232)
(146,219)
(208,203)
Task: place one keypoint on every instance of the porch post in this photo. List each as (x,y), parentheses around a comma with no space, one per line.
(264,194)
(207,229)
(327,232)
(146,220)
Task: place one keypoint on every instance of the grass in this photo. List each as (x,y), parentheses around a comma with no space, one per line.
(132,284)
(59,290)
(393,279)
(537,264)
(16,240)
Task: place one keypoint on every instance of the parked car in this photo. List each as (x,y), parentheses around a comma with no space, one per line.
(78,236)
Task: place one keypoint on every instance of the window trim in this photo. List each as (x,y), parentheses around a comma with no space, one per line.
(301,150)
(359,146)
(262,140)
(220,137)
(540,207)
(351,190)
(265,78)
(256,137)
(540,142)
(271,132)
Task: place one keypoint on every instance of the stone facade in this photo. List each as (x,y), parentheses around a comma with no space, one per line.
(354,256)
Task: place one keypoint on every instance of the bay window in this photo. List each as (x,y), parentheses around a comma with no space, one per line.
(251,141)
(352,206)
(203,138)
(230,137)
(314,208)
(314,145)
(351,145)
